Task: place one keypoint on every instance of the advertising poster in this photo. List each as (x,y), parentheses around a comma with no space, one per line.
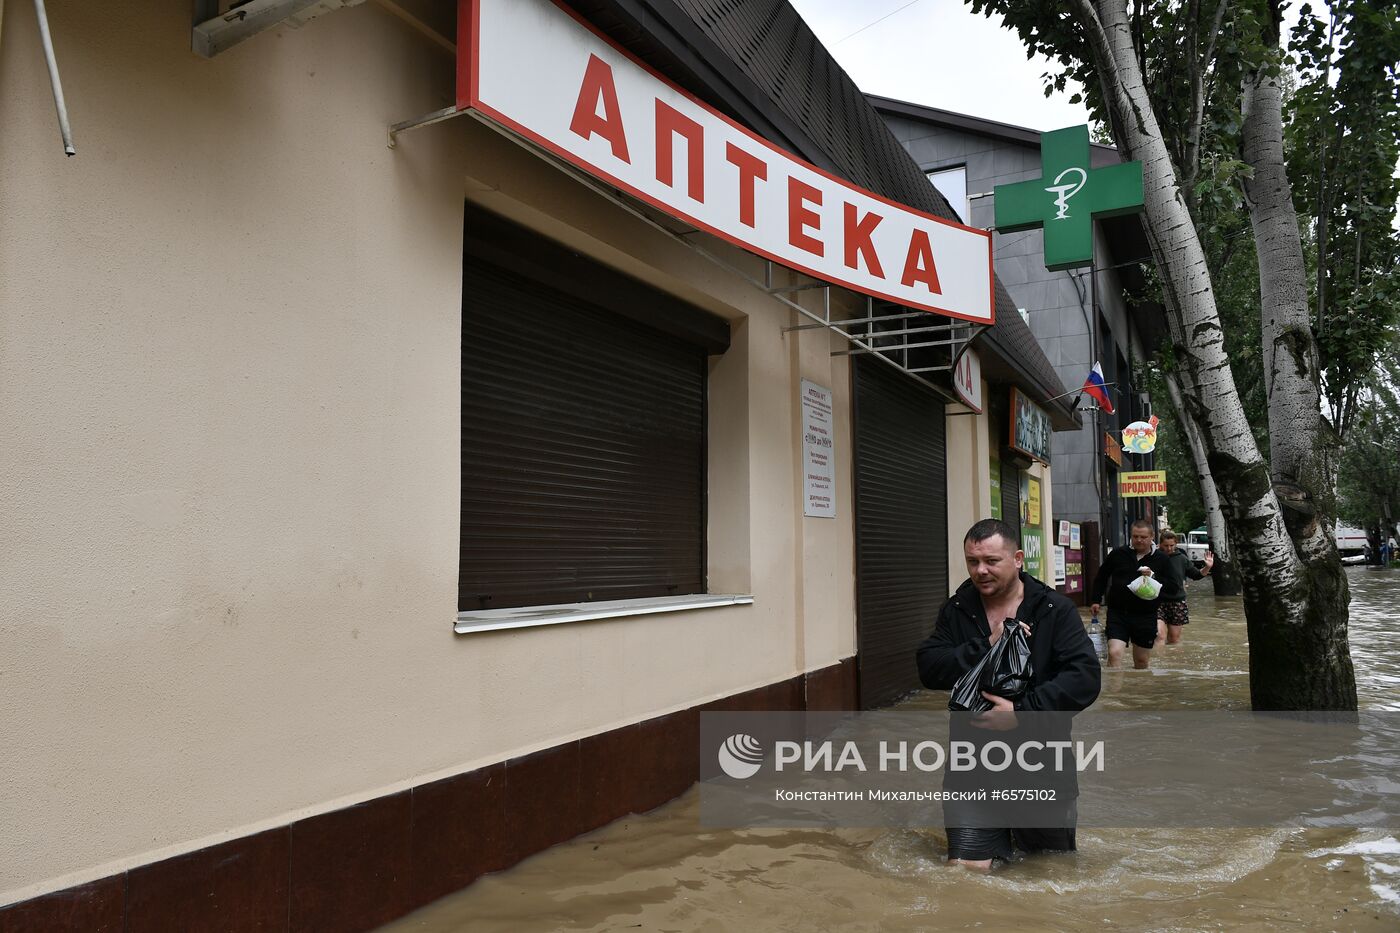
(1030,428)
(1034,546)
(1074,570)
(1111,451)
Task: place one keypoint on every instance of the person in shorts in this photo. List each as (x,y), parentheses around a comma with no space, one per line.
(1131,619)
(1171,606)
(1065,678)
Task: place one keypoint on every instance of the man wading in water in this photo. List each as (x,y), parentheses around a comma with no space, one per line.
(1064,670)
(1130,617)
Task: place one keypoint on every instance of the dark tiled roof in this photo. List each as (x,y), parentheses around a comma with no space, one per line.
(759,62)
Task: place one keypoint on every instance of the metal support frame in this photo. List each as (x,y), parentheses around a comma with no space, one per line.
(950,329)
(215,32)
(56,85)
(902,346)
(437,116)
(863,343)
(790,289)
(870,319)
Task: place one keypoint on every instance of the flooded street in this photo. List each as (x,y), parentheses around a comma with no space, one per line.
(662,872)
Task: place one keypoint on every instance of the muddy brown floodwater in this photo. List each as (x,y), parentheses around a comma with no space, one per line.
(662,871)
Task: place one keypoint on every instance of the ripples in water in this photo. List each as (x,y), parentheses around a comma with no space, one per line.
(659,872)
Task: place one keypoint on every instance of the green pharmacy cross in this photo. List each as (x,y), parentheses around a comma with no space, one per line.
(1067,197)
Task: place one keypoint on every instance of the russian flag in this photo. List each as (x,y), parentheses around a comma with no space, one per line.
(1094,385)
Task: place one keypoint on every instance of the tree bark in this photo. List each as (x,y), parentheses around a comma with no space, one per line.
(1224,577)
(1295,610)
(1301,446)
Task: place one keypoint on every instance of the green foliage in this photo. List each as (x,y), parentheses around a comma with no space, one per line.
(1343,142)
(1193,56)
(1368,489)
(1343,139)
(1183,499)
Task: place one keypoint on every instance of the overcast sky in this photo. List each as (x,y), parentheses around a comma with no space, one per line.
(937,53)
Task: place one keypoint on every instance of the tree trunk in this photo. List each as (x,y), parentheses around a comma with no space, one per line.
(1294,610)
(1300,444)
(1223,575)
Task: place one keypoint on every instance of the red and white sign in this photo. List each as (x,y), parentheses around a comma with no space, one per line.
(967,379)
(545,74)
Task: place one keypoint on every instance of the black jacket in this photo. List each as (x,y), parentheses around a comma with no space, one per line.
(1065,673)
(1178,569)
(1119,569)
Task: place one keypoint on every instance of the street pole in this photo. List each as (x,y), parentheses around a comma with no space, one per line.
(1099,454)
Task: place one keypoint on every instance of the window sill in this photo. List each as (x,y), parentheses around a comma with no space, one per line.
(492,620)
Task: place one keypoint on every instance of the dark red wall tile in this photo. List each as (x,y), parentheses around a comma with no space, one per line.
(351,869)
(610,781)
(363,866)
(97,907)
(669,754)
(234,886)
(459,832)
(832,688)
(542,803)
(785,694)
(755,699)
(850,672)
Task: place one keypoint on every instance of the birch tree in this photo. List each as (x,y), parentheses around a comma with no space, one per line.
(1210,499)
(1342,129)
(1342,136)
(1278,518)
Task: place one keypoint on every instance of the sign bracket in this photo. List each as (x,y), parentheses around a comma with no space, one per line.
(437,116)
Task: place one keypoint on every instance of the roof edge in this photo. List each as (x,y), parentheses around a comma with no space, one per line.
(964,121)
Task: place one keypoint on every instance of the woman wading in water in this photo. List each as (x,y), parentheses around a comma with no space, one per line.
(1172,615)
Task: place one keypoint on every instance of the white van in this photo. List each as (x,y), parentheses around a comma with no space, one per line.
(1195,545)
(1350,540)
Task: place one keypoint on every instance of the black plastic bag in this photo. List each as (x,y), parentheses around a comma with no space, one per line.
(1005,671)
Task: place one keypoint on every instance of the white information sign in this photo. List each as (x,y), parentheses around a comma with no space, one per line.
(534,67)
(1059,565)
(818,449)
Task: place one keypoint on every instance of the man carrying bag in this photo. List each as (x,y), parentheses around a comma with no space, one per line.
(1064,673)
(1132,601)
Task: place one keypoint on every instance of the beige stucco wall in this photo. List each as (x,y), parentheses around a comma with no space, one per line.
(969,488)
(969,480)
(229,385)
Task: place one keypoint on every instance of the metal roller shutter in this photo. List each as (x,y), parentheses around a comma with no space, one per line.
(901,527)
(583,450)
(1011,491)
